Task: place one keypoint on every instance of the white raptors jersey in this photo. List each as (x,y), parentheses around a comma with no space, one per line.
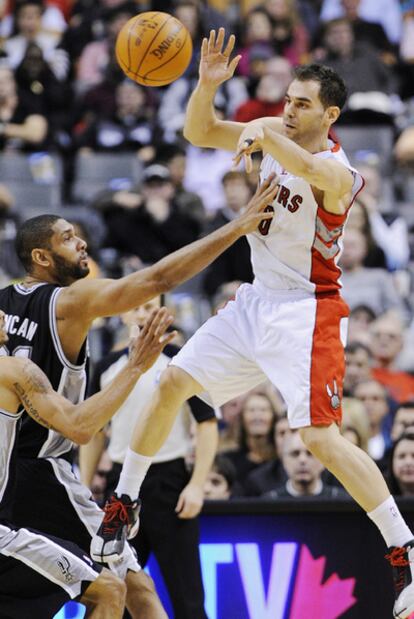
(300,246)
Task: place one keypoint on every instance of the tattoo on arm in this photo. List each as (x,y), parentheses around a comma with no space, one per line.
(35,378)
(34,381)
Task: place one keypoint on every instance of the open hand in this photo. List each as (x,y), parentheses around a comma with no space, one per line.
(151,340)
(215,64)
(255,212)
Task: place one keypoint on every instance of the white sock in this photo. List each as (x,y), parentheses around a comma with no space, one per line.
(133,473)
(391,524)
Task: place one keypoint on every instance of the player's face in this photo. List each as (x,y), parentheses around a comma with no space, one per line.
(304,116)
(68,254)
(3,334)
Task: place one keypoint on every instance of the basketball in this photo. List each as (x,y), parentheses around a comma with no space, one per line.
(153,48)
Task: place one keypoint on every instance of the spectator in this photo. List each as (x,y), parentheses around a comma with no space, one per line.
(401,473)
(304,473)
(97,59)
(385,12)
(9,222)
(233,264)
(403,420)
(270,474)
(28,25)
(256,444)
(290,37)
(359,219)
(269,95)
(229,422)
(149,225)
(387,340)
(368,79)
(208,186)
(220,480)
(130,126)
(355,424)
(361,285)
(257,36)
(42,92)
(387,228)
(52,22)
(374,397)
(20,129)
(368,32)
(188,202)
(358,363)
(360,319)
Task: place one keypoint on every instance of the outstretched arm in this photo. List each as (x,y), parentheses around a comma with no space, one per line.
(202,127)
(103,297)
(80,422)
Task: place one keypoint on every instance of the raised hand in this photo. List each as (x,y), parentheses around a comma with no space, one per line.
(255,212)
(215,64)
(151,340)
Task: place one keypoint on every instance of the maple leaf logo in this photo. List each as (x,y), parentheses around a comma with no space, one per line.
(314,599)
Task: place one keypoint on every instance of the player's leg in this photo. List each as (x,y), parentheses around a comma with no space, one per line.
(318,417)
(142,600)
(214,361)
(105,597)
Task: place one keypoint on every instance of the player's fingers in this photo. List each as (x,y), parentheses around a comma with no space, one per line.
(233,65)
(220,40)
(211,41)
(167,338)
(148,324)
(153,324)
(270,192)
(180,504)
(248,162)
(163,325)
(204,47)
(230,46)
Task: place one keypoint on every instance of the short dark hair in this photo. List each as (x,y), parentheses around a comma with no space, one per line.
(332,87)
(34,232)
(407,405)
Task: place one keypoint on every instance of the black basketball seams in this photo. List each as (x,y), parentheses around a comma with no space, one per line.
(161,26)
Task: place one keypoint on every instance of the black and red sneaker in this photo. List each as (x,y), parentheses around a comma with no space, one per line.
(402,562)
(120,522)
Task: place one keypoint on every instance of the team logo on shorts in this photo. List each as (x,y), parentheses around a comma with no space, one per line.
(334,395)
(64,565)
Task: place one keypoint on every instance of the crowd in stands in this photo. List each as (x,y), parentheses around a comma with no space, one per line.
(62,94)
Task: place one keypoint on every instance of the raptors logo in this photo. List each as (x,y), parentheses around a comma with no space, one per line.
(334,395)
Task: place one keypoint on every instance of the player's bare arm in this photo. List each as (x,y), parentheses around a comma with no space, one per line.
(86,300)
(202,127)
(327,175)
(24,383)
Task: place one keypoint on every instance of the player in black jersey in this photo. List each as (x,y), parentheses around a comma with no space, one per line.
(40,572)
(48,318)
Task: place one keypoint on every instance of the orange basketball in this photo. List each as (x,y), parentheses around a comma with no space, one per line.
(153,48)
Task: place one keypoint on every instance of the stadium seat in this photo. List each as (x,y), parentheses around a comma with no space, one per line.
(378,139)
(98,171)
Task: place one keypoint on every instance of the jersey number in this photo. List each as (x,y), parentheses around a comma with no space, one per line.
(264,225)
(19,351)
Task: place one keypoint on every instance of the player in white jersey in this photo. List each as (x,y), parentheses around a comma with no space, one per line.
(290,325)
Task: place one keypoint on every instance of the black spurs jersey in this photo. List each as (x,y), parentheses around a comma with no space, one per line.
(32,330)
(9,430)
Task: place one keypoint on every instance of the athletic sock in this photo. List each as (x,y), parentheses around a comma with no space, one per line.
(133,473)
(391,524)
